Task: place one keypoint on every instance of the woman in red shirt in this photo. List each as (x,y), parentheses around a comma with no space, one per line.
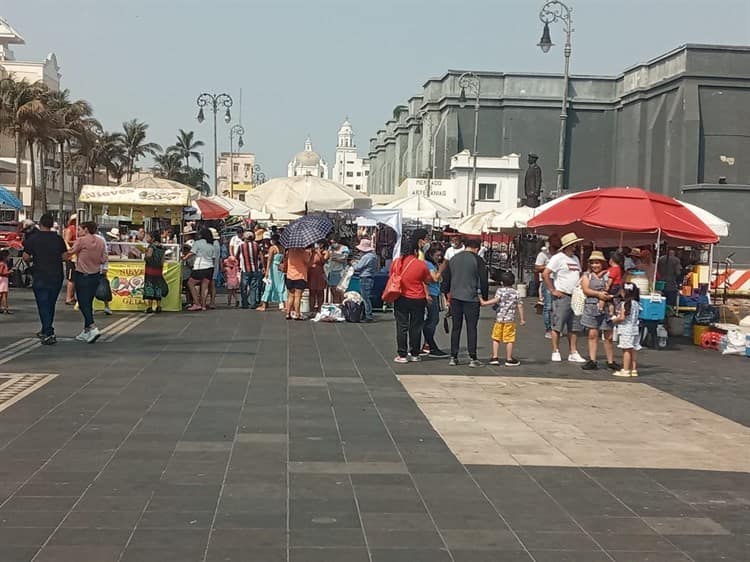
(409,308)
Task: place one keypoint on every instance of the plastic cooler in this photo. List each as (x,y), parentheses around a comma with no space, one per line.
(654,307)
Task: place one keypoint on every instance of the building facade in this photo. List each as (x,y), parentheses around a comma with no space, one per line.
(308,163)
(349,169)
(235,174)
(48,73)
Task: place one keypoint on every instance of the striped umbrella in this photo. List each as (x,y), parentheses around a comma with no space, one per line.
(305,231)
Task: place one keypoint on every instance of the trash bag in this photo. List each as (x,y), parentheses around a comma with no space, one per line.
(353,311)
(103,290)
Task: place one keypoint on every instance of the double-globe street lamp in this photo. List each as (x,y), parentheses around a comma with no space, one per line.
(214,103)
(258,176)
(469,82)
(551,12)
(238,130)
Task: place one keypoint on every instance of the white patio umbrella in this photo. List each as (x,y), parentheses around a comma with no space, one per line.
(236,208)
(476,223)
(301,194)
(511,219)
(419,207)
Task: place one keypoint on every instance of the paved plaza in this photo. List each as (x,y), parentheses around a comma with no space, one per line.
(237,436)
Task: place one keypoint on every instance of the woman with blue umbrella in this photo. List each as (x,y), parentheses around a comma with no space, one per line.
(298,238)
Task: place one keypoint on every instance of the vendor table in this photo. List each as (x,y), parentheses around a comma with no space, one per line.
(126,279)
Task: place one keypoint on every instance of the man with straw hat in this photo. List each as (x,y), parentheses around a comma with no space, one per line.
(561,276)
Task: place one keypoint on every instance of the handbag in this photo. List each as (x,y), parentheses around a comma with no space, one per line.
(577,301)
(392,289)
(103,290)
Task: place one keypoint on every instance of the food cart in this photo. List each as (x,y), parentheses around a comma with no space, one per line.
(150,203)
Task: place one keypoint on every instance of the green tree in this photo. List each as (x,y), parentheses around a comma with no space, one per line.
(136,147)
(169,165)
(186,147)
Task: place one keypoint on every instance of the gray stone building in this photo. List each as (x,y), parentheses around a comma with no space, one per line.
(678,120)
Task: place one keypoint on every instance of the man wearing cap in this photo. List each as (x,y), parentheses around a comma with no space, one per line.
(366,267)
(561,276)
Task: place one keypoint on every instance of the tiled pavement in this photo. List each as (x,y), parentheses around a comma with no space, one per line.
(233,436)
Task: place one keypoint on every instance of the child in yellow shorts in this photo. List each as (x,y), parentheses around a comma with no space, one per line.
(506,302)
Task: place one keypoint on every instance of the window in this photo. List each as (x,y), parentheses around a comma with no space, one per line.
(235,168)
(350,161)
(241,196)
(350,174)
(487,191)
(359,174)
(367,173)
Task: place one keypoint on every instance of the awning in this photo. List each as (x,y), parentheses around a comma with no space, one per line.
(9,200)
(164,193)
(209,210)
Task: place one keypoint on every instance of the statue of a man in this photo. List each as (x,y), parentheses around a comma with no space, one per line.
(532,183)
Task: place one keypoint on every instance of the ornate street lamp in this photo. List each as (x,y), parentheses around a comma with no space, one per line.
(551,12)
(258,176)
(238,130)
(424,125)
(214,103)
(469,82)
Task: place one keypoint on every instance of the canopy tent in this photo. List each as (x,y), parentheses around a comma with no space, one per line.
(511,219)
(9,200)
(390,217)
(301,194)
(146,192)
(614,215)
(236,208)
(419,207)
(266,214)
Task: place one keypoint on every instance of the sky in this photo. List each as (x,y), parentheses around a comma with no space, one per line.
(304,66)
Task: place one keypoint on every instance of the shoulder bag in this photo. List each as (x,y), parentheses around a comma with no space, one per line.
(392,289)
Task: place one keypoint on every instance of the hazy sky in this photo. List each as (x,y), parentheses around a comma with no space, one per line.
(304,66)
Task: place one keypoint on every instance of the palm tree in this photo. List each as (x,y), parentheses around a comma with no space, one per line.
(136,147)
(67,116)
(186,147)
(169,165)
(21,108)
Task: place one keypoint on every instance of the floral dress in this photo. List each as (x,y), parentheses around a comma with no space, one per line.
(232,272)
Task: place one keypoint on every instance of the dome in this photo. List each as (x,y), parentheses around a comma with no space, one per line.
(307,158)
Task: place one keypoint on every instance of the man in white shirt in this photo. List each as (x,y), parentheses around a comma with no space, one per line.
(545,297)
(457,246)
(561,276)
(235,241)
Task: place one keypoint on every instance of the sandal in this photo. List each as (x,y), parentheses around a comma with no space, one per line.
(149,310)
(195,308)
(158,310)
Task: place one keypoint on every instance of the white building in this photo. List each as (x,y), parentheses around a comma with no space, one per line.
(496,185)
(308,163)
(349,169)
(47,72)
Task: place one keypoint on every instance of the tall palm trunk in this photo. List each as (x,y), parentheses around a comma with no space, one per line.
(61,207)
(43,180)
(19,157)
(33,179)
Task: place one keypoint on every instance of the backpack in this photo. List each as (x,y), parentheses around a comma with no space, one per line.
(353,311)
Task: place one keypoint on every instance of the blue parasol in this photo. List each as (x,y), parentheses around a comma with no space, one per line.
(7,199)
(305,231)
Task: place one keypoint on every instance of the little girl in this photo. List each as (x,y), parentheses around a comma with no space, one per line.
(628,332)
(232,275)
(4,275)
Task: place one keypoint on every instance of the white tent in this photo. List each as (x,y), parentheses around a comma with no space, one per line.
(302,194)
(511,219)
(419,207)
(477,223)
(390,217)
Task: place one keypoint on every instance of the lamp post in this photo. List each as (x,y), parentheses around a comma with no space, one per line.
(214,103)
(425,123)
(470,82)
(238,130)
(258,176)
(553,11)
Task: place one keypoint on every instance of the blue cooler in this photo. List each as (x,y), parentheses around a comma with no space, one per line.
(747,345)
(654,307)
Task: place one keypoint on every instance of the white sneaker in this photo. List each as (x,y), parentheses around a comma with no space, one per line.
(548,335)
(576,358)
(414,358)
(92,335)
(556,357)
(82,336)
(107,311)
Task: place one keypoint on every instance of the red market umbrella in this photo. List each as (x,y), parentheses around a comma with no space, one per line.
(610,215)
(210,210)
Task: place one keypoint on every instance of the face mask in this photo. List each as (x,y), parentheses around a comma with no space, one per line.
(426,247)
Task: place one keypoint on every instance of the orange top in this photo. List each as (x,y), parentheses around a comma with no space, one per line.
(297,263)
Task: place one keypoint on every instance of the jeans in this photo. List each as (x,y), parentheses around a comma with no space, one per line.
(86,285)
(250,288)
(46,299)
(459,311)
(431,322)
(365,289)
(409,321)
(547,307)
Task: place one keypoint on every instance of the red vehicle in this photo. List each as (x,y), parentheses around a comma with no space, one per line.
(10,235)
